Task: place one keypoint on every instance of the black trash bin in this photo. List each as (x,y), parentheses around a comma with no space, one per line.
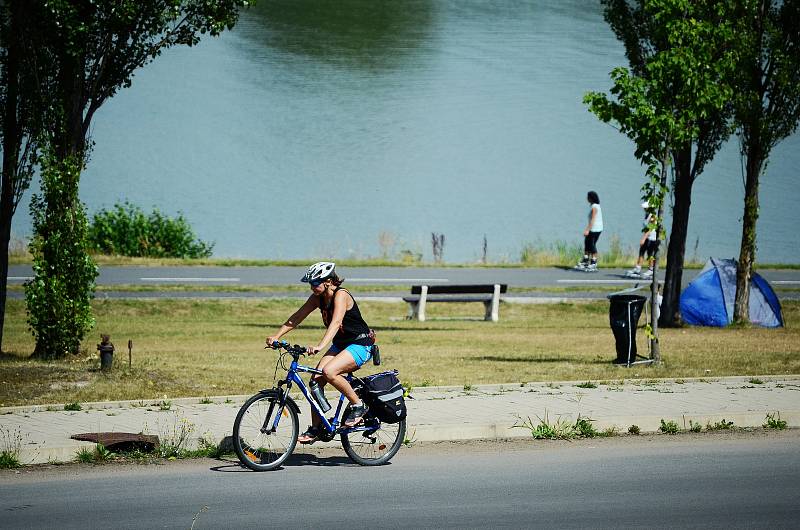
(624,317)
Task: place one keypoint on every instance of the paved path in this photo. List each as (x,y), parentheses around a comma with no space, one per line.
(443,413)
(401,277)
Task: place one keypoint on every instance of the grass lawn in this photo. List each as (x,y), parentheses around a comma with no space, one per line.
(214,347)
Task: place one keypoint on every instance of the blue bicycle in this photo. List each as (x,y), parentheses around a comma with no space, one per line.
(266,428)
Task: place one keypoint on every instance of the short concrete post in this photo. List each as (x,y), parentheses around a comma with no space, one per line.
(423,300)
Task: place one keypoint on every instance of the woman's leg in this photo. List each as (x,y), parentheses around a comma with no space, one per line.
(593,245)
(333,369)
(316,422)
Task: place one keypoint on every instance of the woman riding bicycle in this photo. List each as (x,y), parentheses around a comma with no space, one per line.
(347,332)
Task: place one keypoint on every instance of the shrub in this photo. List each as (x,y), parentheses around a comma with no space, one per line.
(723,425)
(668,427)
(126,230)
(774,421)
(58,297)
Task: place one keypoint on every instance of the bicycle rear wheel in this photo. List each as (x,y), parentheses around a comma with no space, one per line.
(257,445)
(373,447)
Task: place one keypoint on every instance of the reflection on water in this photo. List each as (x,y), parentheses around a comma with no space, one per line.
(360,34)
(317,125)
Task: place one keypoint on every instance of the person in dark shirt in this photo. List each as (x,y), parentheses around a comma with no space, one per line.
(345,330)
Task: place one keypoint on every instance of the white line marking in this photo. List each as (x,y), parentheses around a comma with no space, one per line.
(189,279)
(632,280)
(20,278)
(398,280)
(786,282)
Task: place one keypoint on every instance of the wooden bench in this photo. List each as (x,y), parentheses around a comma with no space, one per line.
(488,294)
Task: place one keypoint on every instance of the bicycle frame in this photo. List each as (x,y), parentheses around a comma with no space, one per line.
(332,426)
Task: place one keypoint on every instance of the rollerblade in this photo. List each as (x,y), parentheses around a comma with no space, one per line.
(635,272)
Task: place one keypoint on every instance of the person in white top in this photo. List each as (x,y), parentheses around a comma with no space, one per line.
(591,234)
(648,244)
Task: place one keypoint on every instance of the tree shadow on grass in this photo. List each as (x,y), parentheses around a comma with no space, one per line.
(271,325)
(500,359)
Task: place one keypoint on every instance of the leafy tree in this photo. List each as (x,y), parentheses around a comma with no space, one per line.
(680,51)
(20,122)
(86,50)
(95,47)
(767,108)
(59,296)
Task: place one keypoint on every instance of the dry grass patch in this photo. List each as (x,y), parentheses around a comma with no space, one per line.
(214,347)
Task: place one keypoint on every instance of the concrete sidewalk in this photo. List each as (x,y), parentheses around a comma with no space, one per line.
(435,414)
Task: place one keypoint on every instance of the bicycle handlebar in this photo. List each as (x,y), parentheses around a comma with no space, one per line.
(293,349)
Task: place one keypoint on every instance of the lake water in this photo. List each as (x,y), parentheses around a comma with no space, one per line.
(352,128)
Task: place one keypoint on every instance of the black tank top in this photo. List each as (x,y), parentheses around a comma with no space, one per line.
(354,330)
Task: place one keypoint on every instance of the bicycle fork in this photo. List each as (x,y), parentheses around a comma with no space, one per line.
(279,400)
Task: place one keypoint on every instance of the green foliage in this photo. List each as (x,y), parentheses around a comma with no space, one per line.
(587,384)
(562,429)
(126,230)
(669,427)
(695,427)
(774,421)
(767,108)
(557,253)
(84,455)
(723,425)
(101,454)
(672,96)
(634,429)
(113,39)
(58,297)
(73,406)
(10,446)
(585,429)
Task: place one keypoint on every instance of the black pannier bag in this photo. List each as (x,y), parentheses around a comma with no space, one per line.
(383,393)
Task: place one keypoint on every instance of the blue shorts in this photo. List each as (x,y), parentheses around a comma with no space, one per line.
(361,354)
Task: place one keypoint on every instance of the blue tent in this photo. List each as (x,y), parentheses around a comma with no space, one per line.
(709,299)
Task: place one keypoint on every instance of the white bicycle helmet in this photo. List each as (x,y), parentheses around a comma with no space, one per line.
(318,271)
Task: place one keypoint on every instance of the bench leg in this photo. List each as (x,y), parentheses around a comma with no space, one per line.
(412,310)
(493,306)
(423,301)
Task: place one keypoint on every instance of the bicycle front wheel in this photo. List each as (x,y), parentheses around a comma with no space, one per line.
(258,442)
(374,447)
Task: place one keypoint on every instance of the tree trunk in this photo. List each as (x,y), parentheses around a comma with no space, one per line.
(747,252)
(6,213)
(12,139)
(670,305)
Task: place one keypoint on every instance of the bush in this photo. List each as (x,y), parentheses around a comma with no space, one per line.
(127,231)
(58,297)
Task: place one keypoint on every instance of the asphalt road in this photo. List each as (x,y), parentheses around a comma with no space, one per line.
(689,481)
(276,276)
